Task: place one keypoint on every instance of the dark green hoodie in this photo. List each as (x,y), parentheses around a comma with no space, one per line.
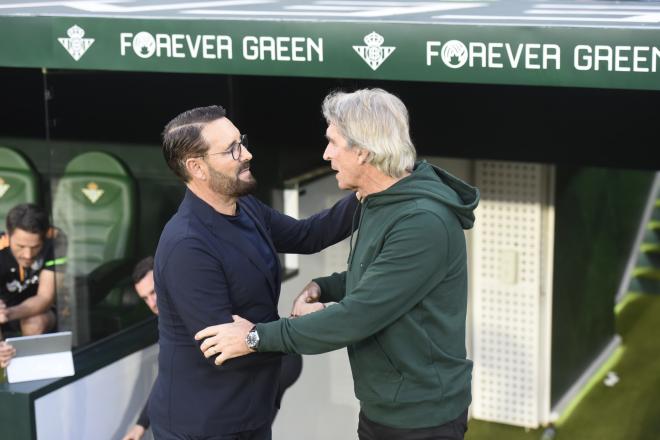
(401,305)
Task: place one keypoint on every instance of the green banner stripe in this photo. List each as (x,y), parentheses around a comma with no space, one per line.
(546,56)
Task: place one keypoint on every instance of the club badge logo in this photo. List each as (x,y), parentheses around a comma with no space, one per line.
(374,53)
(76,45)
(92,192)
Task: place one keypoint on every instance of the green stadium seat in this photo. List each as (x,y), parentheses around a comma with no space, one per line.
(95,206)
(19,182)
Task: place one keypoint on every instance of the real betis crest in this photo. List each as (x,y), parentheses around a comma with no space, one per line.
(76,45)
(92,192)
(4,187)
(374,53)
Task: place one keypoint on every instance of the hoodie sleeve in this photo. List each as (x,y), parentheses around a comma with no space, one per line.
(411,263)
(333,287)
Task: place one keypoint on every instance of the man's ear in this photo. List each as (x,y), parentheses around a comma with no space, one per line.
(363,156)
(195,168)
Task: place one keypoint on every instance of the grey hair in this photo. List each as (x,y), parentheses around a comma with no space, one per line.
(376,121)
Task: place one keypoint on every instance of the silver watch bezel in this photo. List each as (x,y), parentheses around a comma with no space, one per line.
(252,339)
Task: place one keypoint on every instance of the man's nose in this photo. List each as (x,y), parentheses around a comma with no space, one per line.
(246,156)
(326,153)
(27,254)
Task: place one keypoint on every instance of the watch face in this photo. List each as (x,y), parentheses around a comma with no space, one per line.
(252,339)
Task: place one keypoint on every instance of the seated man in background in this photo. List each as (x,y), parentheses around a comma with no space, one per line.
(27,276)
(143,281)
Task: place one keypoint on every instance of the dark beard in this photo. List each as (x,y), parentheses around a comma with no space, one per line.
(226,186)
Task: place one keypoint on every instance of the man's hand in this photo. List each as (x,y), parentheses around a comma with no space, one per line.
(4,318)
(306,309)
(7,352)
(226,340)
(311,293)
(135,433)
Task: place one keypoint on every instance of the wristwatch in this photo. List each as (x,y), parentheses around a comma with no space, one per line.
(252,339)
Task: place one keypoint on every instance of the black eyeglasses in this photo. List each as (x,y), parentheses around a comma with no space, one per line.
(235,149)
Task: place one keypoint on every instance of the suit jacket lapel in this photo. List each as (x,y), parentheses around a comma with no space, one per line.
(223,229)
(226,232)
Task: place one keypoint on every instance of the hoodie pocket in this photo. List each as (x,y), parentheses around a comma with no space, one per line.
(377,378)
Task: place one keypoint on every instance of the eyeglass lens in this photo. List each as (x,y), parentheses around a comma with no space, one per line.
(237,149)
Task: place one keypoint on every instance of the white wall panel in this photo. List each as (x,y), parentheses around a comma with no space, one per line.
(100,406)
(511,305)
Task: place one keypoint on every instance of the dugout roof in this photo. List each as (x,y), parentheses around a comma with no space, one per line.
(549,43)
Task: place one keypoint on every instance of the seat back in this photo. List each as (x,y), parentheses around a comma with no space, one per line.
(95,207)
(18,182)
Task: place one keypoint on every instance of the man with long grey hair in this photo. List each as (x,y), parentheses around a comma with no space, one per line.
(400,306)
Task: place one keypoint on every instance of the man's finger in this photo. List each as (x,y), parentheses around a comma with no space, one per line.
(222,357)
(205,333)
(312,296)
(238,318)
(210,352)
(208,343)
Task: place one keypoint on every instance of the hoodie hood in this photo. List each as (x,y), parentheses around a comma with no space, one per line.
(437,184)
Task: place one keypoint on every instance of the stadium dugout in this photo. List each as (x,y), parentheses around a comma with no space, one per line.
(549,107)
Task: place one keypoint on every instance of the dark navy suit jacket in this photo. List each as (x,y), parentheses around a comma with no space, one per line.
(205,271)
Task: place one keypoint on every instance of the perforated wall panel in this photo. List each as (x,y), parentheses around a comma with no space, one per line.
(507,282)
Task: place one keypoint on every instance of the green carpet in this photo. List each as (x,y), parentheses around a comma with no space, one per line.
(478,430)
(630,410)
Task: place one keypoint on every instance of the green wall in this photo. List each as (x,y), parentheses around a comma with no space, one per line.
(598,213)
